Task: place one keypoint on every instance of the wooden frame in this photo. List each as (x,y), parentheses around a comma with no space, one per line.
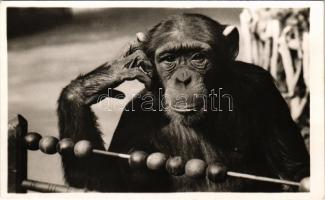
(17,163)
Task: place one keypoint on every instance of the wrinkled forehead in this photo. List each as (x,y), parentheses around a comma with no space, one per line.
(182,44)
(184,33)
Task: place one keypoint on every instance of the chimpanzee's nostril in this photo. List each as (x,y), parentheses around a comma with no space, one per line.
(187,81)
(183,78)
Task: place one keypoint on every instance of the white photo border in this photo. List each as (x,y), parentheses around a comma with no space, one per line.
(317,151)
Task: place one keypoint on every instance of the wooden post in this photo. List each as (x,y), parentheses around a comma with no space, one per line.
(49,187)
(17,154)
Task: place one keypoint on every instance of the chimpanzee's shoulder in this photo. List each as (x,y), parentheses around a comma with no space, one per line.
(251,75)
(248,70)
(251,82)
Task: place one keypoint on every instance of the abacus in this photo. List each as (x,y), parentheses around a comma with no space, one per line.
(20,140)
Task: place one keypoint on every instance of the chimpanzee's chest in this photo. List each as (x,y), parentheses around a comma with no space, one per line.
(234,160)
(189,144)
(229,145)
(161,179)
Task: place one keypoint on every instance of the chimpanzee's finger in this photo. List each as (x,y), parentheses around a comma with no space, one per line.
(142,76)
(140,59)
(146,67)
(131,48)
(135,44)
(136,73)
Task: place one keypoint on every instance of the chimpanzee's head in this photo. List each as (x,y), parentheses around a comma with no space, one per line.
(189,52)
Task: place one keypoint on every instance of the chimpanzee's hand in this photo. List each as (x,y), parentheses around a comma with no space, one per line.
(132,64)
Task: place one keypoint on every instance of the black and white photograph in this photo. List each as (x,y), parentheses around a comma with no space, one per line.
(145,99)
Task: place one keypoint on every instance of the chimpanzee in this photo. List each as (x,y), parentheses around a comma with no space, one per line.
(192,56)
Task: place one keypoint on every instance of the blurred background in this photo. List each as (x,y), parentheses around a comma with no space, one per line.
(48,47)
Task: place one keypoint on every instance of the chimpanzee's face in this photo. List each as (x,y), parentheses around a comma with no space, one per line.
(190,52)
(182,65)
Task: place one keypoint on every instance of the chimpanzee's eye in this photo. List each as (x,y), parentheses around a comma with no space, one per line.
(169,58)
(199,57)
(199,60)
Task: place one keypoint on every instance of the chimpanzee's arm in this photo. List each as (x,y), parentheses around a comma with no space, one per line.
(78,122)
(284,146)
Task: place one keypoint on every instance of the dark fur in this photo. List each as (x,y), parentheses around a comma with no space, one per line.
(258,137)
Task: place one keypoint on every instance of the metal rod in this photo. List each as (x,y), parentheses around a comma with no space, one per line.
(261,178)
(48,187)
(229,173)
(108,153)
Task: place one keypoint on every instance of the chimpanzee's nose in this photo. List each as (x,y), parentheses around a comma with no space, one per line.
(183,78)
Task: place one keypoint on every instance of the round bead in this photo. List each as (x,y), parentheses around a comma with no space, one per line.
(156,161)
(216,172)
(32,140)
(195,168)
(48,144)
(175,166)
(83,148)
(138,159)
(304,185)
(65,146)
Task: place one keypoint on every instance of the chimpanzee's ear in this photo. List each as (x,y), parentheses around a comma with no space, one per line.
(231,35)
(141,37)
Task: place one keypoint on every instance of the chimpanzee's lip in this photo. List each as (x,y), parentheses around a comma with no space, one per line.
(184,109)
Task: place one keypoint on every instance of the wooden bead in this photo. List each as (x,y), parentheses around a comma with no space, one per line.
(138,159)
(32,140)
(83,148)
(156,161)
(175,166)
(65,146)
(195,168)
(48,144)
(304,185)
(216,172)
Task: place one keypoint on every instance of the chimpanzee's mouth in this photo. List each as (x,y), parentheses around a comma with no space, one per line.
(185,109)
